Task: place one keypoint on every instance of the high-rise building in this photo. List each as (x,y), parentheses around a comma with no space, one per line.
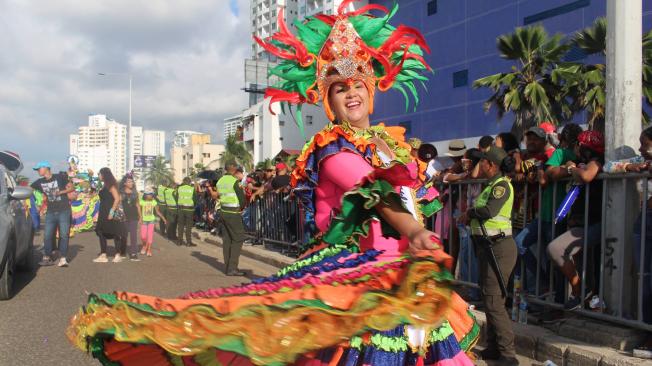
(183,138)
(312,7)
(197,151)
(100,144)
(148,143)
(231,125)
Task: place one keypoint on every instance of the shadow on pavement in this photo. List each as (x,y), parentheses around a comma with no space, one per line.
(213,262)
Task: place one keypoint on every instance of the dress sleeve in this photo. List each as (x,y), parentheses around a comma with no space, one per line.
(345,169)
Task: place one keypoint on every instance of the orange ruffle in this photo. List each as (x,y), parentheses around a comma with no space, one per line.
(333,132)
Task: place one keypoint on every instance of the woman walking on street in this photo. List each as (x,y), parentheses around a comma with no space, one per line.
(130,203)
(110,223)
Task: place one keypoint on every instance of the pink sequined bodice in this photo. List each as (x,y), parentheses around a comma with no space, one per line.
(338,174)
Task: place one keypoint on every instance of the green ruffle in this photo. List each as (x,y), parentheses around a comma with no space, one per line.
(471,338)
(390,344)
(317,257)
(440,334)
(358,209)
(430,208)
(96,348)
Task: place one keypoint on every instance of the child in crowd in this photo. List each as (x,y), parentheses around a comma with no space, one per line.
(149,211)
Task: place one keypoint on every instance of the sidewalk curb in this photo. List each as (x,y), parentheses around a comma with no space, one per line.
(531,341)
(256,252)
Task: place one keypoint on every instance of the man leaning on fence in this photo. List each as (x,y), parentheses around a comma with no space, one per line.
(232,201)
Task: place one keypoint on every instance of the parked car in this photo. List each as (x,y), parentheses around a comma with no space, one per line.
(16,231)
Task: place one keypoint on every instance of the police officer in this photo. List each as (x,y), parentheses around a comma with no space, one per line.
(232,201)
(493,209)
(186,203)
(160,197)
(171,211)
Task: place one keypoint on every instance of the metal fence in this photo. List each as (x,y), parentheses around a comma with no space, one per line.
(615,268)
(611,268)
(276,221)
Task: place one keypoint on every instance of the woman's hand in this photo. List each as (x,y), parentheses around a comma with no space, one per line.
(110,217)
(423,240)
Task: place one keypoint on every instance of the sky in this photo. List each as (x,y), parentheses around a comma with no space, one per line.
(185,56)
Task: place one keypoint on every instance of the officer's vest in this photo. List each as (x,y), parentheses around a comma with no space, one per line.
(502,221)
(228,198)
(185,196)
(160,196)
(148,208)
(169,197)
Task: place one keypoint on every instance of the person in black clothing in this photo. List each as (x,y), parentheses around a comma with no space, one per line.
(131,205)
(282,179)
(110,218)
(590,153)
(55,188)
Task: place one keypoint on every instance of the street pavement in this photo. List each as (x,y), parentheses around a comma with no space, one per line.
(33,323)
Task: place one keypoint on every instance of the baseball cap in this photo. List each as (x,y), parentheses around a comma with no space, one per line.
(547,127)
(538,131)
(42,164)
(495,154)
(456,148)
(281,166)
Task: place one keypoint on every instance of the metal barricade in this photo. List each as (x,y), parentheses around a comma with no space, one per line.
(276,221)
(619,275)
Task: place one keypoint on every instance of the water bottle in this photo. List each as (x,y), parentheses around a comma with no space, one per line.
(522,311)
(516,298)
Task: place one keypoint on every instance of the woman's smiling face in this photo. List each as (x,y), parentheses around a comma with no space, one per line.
(350,103)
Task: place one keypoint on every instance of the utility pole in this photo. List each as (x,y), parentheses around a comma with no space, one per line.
(622,130)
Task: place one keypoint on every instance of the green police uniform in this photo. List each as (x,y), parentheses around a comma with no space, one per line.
(186,204)
(494,208)
(171,212)
(160,198)
(231,204)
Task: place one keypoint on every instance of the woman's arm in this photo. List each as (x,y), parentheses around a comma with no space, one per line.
(158,213)
(116,201)
(586,174)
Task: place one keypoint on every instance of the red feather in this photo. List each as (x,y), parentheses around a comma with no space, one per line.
(286,37)
(343,5)
(390,75)
(401,36)
(278,95)
(328,19)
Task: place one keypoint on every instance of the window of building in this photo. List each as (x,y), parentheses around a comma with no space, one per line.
(274,26)
(556,11)
(184,157)
(190,156)
(408,127)
(460,78)
(281,122)
(432,7)
(309,120)
(280,138)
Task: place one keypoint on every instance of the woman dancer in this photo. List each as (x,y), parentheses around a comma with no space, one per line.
(356,297)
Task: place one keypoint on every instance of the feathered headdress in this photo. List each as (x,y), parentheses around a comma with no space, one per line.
(345,47)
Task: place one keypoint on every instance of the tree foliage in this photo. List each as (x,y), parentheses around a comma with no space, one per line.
(236,151)
(159,173)
(528,89)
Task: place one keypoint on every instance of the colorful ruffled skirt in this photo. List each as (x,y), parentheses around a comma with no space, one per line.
(337,305)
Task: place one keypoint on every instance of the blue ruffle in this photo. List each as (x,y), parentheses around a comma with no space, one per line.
(327,264)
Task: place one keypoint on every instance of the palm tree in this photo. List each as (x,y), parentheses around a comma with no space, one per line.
(236,151)
(159,173)
(199,167)
(265,164)
(528,90)
(586,84)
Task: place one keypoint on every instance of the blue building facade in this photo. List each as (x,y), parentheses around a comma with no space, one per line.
(462,35)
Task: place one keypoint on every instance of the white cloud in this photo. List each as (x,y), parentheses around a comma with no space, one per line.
(186,58)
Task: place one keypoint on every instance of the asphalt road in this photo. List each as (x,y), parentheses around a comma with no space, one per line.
(32,324)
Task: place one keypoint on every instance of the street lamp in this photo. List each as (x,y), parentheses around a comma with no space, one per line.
(129,147)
